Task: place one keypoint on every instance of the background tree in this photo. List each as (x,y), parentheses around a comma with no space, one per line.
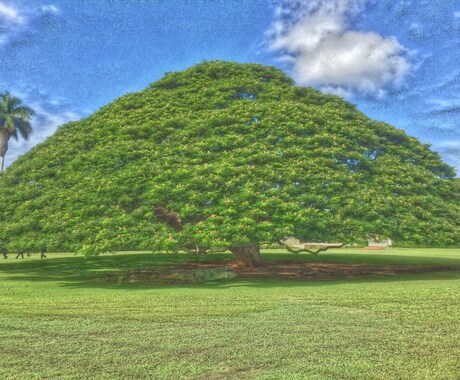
(226,156)
(14,122)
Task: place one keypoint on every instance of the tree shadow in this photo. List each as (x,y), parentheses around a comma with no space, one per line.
(110,271)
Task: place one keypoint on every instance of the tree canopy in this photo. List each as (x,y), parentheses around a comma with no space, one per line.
(226,155)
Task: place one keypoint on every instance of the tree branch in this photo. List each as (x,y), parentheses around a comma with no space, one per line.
(197,251)
(311,251)
(169,217)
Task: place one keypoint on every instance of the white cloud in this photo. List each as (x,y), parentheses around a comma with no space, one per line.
(340,91)
(9,15)
(324,51)
(15,20)
(416,29)
(50,8)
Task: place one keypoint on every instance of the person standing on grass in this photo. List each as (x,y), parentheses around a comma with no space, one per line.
(21,253)
(42,252)
(3,251)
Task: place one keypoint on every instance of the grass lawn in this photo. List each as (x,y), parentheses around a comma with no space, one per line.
(61,318)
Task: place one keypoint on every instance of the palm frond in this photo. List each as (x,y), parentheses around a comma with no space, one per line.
(14,134)
(25,112)
(10,103)
(14,115)
(23,127)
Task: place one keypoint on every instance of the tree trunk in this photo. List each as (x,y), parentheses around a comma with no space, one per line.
(248,255)
(3,148)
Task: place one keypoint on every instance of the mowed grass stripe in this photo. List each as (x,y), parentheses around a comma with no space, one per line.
(58,319)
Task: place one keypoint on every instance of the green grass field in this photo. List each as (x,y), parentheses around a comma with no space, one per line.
(61,318)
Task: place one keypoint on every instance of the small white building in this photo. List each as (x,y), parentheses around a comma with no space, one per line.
(379,241)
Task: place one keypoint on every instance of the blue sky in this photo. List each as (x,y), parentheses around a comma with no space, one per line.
(398,61)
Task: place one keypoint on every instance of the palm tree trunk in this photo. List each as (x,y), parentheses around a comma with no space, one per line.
(4,137)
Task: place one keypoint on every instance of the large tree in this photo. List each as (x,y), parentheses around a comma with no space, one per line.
(14,122)
(226,156)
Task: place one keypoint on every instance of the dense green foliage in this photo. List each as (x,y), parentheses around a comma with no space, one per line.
(59,319)
(225,155)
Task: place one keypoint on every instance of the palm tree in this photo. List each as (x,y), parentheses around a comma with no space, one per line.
(14,121)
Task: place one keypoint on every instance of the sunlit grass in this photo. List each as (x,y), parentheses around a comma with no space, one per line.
(59,318)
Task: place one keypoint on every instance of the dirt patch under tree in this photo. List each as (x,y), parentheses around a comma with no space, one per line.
(207,271)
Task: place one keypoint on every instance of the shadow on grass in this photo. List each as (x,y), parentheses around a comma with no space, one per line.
(108,271)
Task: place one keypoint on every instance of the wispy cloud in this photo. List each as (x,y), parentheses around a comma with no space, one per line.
(444,106)
(316,39)
(45,124)
(450,82)
(50,9)
(18,17)
(11,20)
(450,151)
(9,15)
